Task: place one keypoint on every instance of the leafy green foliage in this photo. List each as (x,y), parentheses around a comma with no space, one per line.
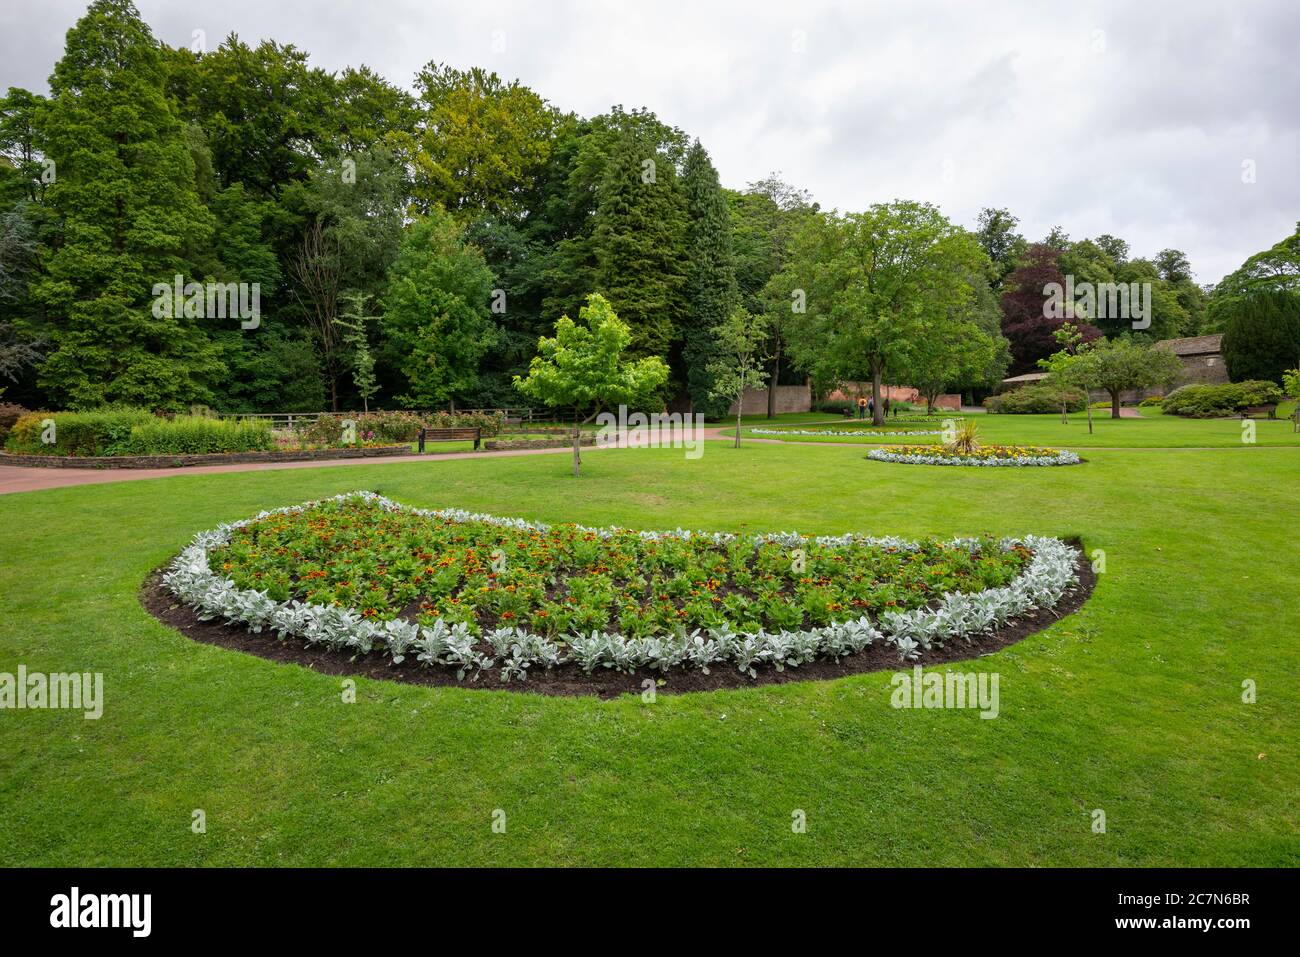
(1208,401)
(568,580)
(1037,398)
(1261,334)
(131,215)
(711,282)
(436,312)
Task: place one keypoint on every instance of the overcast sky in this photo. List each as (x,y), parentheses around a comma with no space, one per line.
(1122,118)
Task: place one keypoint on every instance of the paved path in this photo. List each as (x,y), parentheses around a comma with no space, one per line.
(18,478)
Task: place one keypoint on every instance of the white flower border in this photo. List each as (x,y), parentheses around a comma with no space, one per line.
(1050,572)
(1062,457)
(843,432)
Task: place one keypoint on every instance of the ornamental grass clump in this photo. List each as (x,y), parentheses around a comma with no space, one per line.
(965,439)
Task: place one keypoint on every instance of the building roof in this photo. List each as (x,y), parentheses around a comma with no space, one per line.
(1193,345)
(1027,377)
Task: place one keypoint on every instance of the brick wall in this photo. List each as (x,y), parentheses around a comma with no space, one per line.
(789,398)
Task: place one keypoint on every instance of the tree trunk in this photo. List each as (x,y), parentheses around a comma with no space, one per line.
(877,407)
(1089,408)
(1114,403)
(738,411)
(1065,412)
(577,457)
(771,384)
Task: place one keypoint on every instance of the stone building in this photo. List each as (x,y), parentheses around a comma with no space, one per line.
(1202,359)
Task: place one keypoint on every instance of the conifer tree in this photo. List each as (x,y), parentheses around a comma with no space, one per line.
(640,241)
(711,281)
(124,189)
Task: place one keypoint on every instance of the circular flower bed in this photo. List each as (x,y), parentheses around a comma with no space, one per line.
(832,431)
(478,593)
(992,455)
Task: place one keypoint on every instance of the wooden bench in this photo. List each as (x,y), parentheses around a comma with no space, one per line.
(451,435)
(1270,408)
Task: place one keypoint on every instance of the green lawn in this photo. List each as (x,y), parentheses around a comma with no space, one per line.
(1133,705)
(1153,430)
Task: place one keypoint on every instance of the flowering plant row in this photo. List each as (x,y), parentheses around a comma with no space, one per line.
(833,431)
(1016,575)
(992,455)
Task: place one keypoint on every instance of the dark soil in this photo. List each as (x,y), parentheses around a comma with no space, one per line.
(604,683)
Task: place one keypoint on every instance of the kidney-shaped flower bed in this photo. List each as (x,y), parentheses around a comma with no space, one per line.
(473,594)
(1004,455)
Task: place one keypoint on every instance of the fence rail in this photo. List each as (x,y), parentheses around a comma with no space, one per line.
(291,420)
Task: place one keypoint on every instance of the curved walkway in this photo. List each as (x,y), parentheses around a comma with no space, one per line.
(19,478)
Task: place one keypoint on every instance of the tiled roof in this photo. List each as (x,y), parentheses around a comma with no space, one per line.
(1193,345)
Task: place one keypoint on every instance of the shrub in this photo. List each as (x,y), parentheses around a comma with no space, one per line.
(199,435)
(9,414)
(105,431)
(1038,398)
(326,430)
(1209,401)
(1152,402)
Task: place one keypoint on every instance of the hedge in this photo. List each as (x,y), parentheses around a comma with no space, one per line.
(1228,398)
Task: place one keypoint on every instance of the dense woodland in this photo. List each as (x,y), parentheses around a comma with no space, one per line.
(411,245)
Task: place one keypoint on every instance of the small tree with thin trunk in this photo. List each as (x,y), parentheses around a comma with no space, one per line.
(739,365)
(1071,366)
(353,322)
(583,368)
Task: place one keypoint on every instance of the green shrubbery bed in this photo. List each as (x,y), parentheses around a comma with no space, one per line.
(1229,398)
(122,430)
(1036,399)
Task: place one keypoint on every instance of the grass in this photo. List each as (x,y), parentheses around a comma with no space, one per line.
(1153,430)
(1133,705)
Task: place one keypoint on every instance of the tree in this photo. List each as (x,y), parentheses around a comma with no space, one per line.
(1071,367)
(479,143)
(738,362)
(711,281)
(640,244)
(945,351)
(1261,334)
(1174,265)
(353,322)
(583,368)
(1118,365)
(868,282)
(764,221)
(131,218)
(1025,321)
(435,311)
(996,232)
(316,269)
(1276,269)
(20,173)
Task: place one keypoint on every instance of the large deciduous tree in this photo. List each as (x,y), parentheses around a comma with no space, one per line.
(869,283)
(1025,321)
